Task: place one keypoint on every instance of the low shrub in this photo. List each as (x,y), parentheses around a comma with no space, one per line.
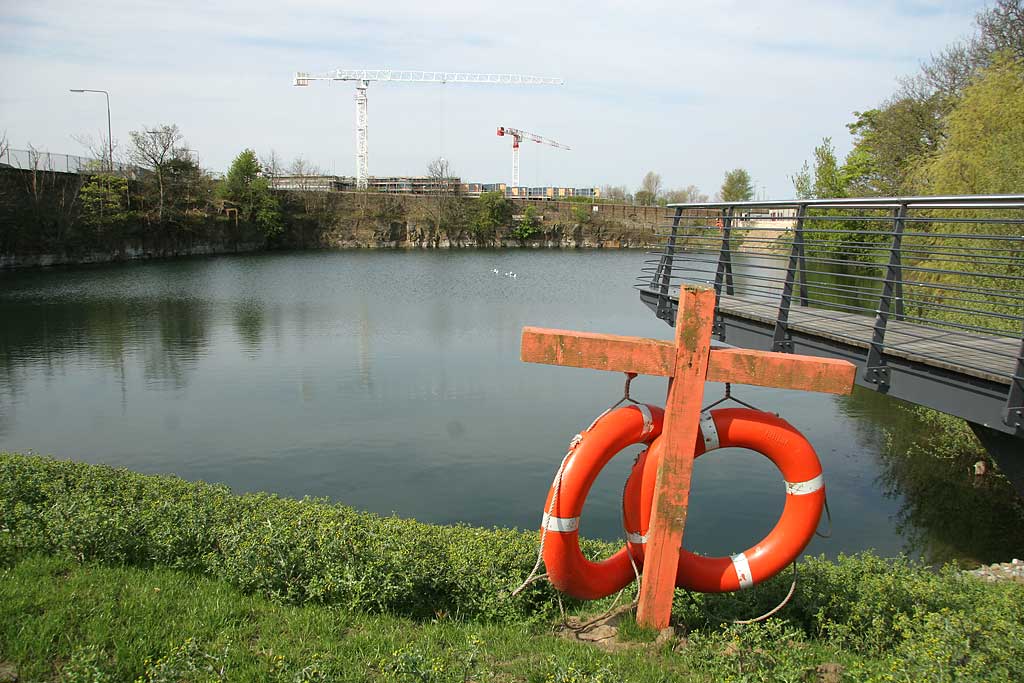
(294,550)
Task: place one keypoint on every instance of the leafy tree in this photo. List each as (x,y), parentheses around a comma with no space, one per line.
(984,150)
(644,198)
(830,180)
(103,199)
(493,211)
(583,214)
(529,225)
(737,186)
(889,141)
(246,187)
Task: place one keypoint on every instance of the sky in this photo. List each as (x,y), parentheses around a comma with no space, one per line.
(688,89)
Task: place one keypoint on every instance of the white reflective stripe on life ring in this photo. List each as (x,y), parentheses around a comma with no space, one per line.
(802,488)
(648,418)
(562,525)
(709,431)
(634,537)
(742,567)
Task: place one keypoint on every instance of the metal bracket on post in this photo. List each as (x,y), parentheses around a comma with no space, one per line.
(875,371)
(664,272)
(781,339)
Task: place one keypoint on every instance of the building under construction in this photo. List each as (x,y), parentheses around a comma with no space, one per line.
(425,185)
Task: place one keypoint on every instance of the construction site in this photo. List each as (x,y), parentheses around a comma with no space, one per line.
(437,183)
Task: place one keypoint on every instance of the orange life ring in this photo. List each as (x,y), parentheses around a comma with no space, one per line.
(568,570)
(781,443)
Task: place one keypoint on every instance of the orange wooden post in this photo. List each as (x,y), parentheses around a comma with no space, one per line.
(679,432)
(688,362)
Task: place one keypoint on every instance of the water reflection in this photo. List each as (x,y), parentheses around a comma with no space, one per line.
(946,512)
(169,335)
(249,323)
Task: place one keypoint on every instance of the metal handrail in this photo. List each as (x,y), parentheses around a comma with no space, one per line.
(949,268)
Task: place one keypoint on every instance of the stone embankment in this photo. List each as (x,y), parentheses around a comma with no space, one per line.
(1000,571)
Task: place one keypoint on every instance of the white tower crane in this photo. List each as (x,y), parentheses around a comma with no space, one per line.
(517,137)
(362,77)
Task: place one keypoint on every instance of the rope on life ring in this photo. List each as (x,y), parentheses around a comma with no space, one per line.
(567,569)
(795,458)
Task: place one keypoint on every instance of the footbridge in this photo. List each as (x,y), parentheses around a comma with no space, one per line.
(924,294)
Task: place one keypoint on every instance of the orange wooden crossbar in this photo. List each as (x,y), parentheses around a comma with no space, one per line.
(657,357)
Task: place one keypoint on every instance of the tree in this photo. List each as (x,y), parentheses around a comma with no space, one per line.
(644,198)
(154,148)
(984,149)
(829,179)
(529,225)
(651,184)
(1000,29)
(690,194)
(493,211)
(890,141)
(615,193)
(245,186)
(737,186)
(103,199)
(446,208)
(272,165)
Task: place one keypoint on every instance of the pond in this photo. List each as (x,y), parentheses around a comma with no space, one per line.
(391,382)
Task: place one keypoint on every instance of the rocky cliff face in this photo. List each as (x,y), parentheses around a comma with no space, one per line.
(41,225)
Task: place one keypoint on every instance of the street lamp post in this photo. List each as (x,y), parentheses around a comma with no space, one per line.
(110,140)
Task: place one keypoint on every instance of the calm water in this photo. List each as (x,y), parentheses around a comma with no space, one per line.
(391,382)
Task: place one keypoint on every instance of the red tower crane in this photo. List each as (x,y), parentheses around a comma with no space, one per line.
(517,136)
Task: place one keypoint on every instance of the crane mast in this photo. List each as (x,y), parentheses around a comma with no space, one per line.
(363,77)
(518,136)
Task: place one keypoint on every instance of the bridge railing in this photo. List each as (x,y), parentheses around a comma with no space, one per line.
(892,275)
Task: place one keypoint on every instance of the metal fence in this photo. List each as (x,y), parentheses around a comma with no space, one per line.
(937,280)
(36,160)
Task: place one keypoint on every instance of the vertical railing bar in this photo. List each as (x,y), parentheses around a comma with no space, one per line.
(665,270)
(780,337)
(723,273)
(727,245)
(875,370)
(897,273)
(801,212)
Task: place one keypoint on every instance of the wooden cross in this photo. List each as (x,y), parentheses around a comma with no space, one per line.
(688,363)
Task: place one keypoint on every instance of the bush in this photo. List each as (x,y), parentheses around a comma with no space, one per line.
(293,550)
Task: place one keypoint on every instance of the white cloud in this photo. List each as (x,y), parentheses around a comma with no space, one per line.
(687,89)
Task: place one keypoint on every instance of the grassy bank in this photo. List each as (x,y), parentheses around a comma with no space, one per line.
(111,575)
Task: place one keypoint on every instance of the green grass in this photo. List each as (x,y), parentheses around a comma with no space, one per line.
(60,620)
(111,575)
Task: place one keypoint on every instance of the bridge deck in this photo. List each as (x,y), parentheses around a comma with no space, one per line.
(985,357)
